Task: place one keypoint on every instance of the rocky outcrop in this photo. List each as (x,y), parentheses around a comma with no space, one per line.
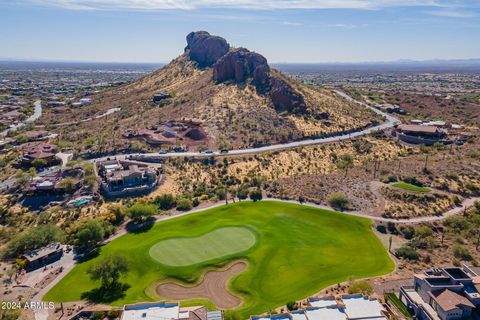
(205,49)
(242,66)
(285,98)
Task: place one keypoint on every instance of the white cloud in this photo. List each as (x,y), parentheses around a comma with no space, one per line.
(295,24)
(451,13)
(242,4)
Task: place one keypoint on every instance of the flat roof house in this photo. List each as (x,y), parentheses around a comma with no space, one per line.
(43,255)
(446,294)
(123,178)
(420,134)
(166,311)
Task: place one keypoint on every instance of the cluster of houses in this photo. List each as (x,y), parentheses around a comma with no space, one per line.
(59,102)
(443,294)
(349,307)
(126,178)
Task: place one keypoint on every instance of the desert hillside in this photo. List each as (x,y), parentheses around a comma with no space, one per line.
(211,96)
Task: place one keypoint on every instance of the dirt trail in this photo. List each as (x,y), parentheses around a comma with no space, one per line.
(212,287)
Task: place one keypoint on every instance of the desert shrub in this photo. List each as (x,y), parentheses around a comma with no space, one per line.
(408,253)
(184,204)
(461,252)
(256,195)
(292,305)
(407,231)
(338,200)
(140,210)
(381,228)
(412,180)
(362,287)
(390,179)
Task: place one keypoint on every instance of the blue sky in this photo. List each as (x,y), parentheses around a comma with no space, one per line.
(282,30)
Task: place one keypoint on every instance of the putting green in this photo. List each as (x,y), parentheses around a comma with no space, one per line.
(219,243)
(292,252)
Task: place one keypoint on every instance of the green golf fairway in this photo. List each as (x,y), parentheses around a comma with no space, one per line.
(298,251)
(216,244)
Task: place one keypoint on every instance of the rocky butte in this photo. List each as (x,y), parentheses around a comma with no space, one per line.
(239,66)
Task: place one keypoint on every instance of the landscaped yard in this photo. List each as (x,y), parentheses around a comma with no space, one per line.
(410,187)
(292,252)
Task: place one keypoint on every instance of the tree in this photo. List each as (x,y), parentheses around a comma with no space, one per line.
(89,234)
(338,200)
(242,193)
(39,163)
(256,195)
(139,211)
(32,239)
(165,201)
(292,305)
(407,252)
(68,184)
(345,163)
(109,270)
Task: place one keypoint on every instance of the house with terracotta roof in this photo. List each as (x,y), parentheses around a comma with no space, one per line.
(39,151)
(443,294)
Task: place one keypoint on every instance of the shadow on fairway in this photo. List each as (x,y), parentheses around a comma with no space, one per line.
(135,227)
(106,295)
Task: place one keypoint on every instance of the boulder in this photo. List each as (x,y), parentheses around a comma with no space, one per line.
(205,49)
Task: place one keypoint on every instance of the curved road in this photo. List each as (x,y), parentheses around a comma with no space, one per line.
(390,122)
(36,114)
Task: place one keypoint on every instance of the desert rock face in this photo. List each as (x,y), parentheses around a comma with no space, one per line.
(205,49)
(241,65)
(285,98)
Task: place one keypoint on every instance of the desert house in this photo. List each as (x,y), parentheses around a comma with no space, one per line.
(445,294)
(39,151)
(43,256)
(420,134)
(348,307)
(123,178)
(168,311)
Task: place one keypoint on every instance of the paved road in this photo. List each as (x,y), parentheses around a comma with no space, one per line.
(37,113)
(389,123)
(106,113)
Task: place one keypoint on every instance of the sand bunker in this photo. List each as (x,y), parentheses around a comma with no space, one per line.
(212,287)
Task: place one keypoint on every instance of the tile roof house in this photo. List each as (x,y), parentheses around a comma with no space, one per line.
(39,150)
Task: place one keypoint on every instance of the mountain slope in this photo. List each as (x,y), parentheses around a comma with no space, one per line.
(231,94)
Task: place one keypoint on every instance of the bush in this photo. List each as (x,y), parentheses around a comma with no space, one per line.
(338,200)
(408,253)
(407,231)
(195,202)
(461,252)
(362,287)
(381,228)
(165,201)
(412,180)
(292,305)
(140,210)
(390,179)
(256,195)
(184,204)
